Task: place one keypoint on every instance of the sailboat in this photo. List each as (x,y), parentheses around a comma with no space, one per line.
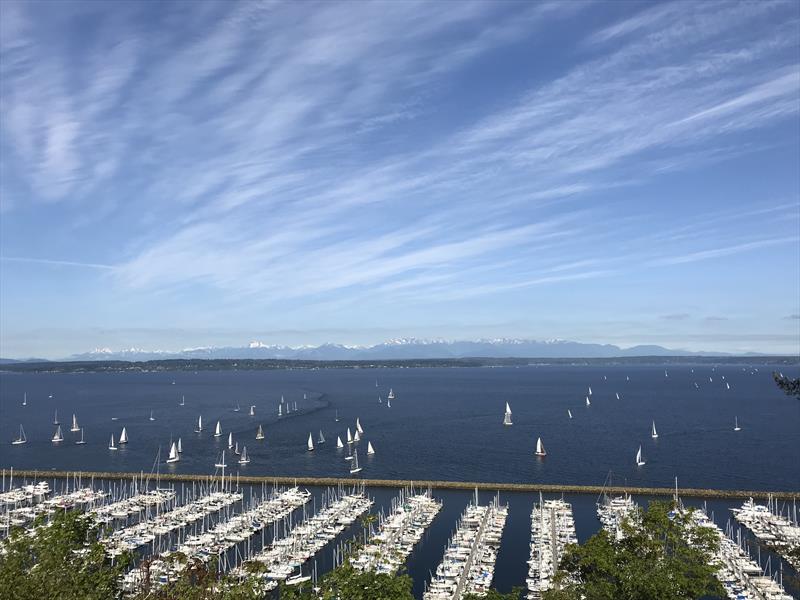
(173,454)
(349,436)
(507,415)
(230,440)
(218,430)
(310,443)
(55,418)
(727,385)
(21,439)
(339,443)
(617,395)
(152,418)
(244,459)
(74,424)
(337,416)
(388,403)
(653,432)
(358,426)
(639,460)
(25,399)
(81,441)
(111,444)
(349,453)
(569,413)
(370,449)
(199,424)
(391,394)
(183,401)
(221,463)
(58,436)
(180,446)
(321,438)
(354,468)
(295,406)
(736,424)
(238,408)
(252,410)
(588,402)
(540,451)
(280,410)
(357,437)
(236,450)
(260,433)
(379,400)
(590,390)
(123,437)
(376,383)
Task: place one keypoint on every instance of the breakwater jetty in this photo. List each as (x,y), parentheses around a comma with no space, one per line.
(545,488)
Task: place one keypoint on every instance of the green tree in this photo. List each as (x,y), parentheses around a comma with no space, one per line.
(791,387)
(654,561)
(64,560)
(346,582)
(515,594)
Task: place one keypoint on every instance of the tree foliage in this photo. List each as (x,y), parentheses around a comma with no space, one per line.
(63,560)
(791,387)
(346,582)
(654,561)
(515,594)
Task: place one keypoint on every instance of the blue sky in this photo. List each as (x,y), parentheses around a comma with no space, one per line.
(199,173)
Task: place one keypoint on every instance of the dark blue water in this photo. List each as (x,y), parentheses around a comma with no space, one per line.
(443,424)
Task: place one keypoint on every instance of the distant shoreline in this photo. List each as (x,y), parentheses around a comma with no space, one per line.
(267,364)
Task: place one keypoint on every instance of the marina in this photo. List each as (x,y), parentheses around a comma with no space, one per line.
(469,558)
(552,529)
(770,525)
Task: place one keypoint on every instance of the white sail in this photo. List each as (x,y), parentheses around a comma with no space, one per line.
(321,438)
(337,416)
(310,443)
(81,441)
(111,444)
(21,439)
(218,430)
(736,424)
(230,440)
(238,408)
(152,418)
(727,385)
(590,390)
(349,436)
(183,401)
(507,415)
(173,454)
(653,432)
(58,436)
(123,437)
(199,424)
(244,459)
(74,424)
(280,410)
(180,446)
(358,426)
(339,443)
(617,395)
(540,451)
(357,437)
(236,448)
(639,460)
(260,433)
(55,418)
(354,468)
(588,402)
(388,403)
(391,394)
(370,449)
(25,399)
(252,410)
(569,413)
(380,401)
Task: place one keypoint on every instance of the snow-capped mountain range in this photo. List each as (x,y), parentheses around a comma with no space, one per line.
(401,348)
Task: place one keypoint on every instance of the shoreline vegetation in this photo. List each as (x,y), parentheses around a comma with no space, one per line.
(258,364)
(398,483)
